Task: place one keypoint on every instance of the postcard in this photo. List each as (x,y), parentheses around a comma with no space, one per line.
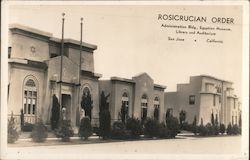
(125,80)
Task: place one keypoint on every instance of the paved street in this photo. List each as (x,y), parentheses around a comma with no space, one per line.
(181,145)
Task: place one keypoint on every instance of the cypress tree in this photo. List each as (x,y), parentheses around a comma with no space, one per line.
(194,125)
(55,113)
(212,118)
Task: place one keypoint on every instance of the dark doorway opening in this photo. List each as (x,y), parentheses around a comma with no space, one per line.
(66,103)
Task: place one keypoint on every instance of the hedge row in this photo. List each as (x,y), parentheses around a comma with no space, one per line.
(132,129)
(210,129)
(150,128)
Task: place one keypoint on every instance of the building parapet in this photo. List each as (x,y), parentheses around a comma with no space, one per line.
(208,76)
(74,43)
(122,79)
(232,96)
(91,74)
(213,93)
(31,63)
(42,35)
(29,29)
(160,86)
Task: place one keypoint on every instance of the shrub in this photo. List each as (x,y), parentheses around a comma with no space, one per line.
(222,128)
(172,125)
(27,127)
(119,131)
(39,132)
(185,126)
(65,131)
(85,129)
(22,118)
(105,125)
(236,129)
(229,129)
(203,131)
(163,131)
(13,135)
(216,128)
(212,119)
(182,118)
(134,125)
(151,128)
(240,121)
(194,126)
(210,129)
(233,130)
(96,130)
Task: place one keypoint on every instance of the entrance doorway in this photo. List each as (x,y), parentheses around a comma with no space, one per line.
(66,103)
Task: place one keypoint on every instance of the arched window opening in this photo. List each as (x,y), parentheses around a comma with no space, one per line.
(144,107)
(30,101)
(124,107)
(156,108)
(87,102)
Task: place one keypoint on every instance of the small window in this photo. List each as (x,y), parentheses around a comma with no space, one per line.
(34,109)
(34,94)
(29,108)
(9,52)
(192,99)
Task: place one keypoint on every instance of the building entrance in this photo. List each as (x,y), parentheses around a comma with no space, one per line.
(66,103)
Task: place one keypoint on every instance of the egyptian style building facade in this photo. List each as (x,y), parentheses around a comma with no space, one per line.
(139,95)
(34,82)
(34,75)
(203,96)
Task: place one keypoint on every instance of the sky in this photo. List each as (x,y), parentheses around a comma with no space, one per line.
(130,39)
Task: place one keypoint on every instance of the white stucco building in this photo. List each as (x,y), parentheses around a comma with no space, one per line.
(34,75)
(34,79)
(201,97)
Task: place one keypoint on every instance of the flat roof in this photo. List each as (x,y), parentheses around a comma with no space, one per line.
(50,35)
(132,81)
(72,41)
(122,79)
(209,76)
(160,86)
(30,29)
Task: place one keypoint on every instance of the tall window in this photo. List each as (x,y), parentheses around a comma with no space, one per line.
(156,108)
(124,107)
(144,107)
(125,99)
(192,99)
(30,101)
